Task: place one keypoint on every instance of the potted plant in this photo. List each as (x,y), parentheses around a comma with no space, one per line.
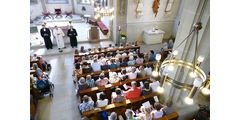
(44,22)
(123,36)
(70,21)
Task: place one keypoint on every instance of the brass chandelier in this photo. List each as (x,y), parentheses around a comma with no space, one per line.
(197,74)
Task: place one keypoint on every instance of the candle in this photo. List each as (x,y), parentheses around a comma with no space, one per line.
(119,27)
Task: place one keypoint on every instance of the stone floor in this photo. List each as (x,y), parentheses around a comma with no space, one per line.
(63,106)
(78,23)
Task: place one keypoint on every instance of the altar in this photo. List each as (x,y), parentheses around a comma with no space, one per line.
(153,37)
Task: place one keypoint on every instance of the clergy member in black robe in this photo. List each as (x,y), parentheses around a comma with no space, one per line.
(72,34)
(46,34)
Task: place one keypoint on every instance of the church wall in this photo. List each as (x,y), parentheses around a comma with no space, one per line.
(136,26)
(177,20)
(36,10)
(64,7)
(89,9)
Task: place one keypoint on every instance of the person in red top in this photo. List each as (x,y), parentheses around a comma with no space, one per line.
(133,92)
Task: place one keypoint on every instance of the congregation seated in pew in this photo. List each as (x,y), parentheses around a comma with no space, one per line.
(133,91)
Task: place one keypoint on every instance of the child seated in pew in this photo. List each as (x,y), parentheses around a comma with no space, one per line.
(102,100)
(90,81)
(118,96)
(102,80)
(88,104)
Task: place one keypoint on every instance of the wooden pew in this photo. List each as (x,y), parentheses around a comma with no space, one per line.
(165,54)
(105,51)
(121,57)
(173,116)
(114,70)
(92,91)
(112,106)
(32,71)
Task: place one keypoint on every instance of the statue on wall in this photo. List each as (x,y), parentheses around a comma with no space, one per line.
(155,6)
(123,7)
(140,8)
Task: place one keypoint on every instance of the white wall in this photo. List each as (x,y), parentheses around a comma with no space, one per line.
(36,10)
(164,21)
(177,20)
(89,9)
(64,7)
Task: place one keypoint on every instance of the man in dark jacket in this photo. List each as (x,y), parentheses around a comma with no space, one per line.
(46,34)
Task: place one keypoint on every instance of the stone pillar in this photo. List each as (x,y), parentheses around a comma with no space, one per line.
(73,7)
(43,5)
(120,19)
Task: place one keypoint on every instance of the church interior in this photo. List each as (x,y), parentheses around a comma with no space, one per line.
(120,59)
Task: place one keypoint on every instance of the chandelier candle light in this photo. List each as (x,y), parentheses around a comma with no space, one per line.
(101,12)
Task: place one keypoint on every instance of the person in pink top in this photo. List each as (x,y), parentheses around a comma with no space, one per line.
(102,80)
(133,92)
(139,59)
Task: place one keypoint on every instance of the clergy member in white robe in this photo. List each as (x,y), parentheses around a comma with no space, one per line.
(58,34)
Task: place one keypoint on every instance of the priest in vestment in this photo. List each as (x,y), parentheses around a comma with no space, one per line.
(72,33)
(58,34)
(46,34)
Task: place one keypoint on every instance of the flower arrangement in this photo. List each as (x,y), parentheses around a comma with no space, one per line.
(155,28)
(70,21)
(123,35)
(44,22)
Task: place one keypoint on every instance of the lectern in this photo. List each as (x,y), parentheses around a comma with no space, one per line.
(94,35)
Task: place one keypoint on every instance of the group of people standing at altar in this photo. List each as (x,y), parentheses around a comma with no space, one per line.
(58,34)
